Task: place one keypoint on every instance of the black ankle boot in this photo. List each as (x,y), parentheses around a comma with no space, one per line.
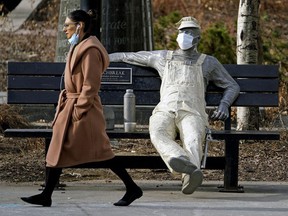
(129,197)
(38,200)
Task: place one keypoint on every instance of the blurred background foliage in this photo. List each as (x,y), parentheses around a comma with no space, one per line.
(217,41)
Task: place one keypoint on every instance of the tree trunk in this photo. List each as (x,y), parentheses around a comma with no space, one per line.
(248,53)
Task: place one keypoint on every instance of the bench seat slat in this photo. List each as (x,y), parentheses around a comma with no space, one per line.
(152,162)
(120,134)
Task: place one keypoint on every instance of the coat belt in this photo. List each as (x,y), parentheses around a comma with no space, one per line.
(70,95)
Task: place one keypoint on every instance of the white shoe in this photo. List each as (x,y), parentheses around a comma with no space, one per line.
(190,182)
(182,165)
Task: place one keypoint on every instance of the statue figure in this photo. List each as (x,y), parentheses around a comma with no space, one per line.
(185,74)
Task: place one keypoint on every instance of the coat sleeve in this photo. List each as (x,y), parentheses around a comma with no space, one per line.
(92,69)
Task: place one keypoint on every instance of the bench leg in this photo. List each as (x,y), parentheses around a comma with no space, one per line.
(231,167)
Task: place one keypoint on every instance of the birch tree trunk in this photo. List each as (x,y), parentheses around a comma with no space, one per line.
(248,53)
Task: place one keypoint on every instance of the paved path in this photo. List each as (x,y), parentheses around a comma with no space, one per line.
(161,198)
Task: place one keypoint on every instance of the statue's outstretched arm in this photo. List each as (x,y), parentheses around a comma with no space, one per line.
(142,58)
(153,59)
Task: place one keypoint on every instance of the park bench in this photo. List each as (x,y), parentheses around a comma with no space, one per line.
(38,83)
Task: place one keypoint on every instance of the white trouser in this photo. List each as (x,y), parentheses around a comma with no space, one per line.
(163,128)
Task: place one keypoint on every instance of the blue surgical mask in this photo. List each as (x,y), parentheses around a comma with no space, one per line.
(74,39)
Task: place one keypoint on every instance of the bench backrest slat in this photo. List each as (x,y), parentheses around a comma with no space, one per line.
(32,97)
(139,84)
(35,68)
(33,82)
(259,85)
(250,71)
(39,82)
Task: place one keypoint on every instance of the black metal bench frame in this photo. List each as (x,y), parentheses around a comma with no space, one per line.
(38,83)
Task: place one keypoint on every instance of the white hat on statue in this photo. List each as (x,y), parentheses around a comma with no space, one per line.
(188,22)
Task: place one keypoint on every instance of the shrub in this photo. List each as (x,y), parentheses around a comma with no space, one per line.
(216,41)
(10,118)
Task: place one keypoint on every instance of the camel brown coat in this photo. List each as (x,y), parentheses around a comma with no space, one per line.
(79,134)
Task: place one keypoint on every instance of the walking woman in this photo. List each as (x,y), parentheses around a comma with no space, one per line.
(79,134)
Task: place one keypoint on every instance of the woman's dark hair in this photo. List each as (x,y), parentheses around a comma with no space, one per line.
(83,16)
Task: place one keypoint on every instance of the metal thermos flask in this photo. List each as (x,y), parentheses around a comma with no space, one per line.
(129,111)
